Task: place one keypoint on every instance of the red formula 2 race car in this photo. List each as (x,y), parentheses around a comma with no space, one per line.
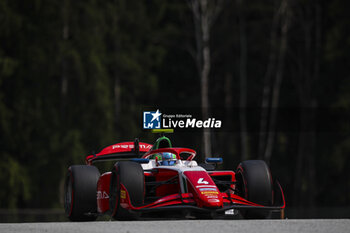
(160,180)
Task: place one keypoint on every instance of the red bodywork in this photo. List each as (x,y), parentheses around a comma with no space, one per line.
(103,192)
(119,150)
(200,190)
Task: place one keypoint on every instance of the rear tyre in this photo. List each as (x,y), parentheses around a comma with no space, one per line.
(80,193)
(254,183)
(130,174)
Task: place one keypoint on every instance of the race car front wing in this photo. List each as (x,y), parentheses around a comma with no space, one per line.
(186,201)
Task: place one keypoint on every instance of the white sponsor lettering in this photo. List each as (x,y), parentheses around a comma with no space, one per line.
(131,146)
(102,195)
(231,212)
(145,146)
(213,200)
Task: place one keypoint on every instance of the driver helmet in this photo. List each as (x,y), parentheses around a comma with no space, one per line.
(168,159)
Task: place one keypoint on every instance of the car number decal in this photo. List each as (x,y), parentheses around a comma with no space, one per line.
(202,181)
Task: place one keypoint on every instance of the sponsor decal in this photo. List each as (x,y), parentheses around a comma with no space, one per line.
(102,195)
(213,200)
(122,194)
(212,197)
(202,186)
(131,146)
(210,193)
(202,181)
(231,212)
(207,189)
(123,147)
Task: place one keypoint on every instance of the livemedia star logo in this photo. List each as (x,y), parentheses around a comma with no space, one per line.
(151,120)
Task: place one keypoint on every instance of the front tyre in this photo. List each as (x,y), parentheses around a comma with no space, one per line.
(80,193)
(254,183)
(130,174)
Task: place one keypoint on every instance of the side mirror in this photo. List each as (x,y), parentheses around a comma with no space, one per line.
(140,160)
(213,160)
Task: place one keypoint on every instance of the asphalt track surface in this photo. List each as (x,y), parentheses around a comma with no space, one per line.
(184,226)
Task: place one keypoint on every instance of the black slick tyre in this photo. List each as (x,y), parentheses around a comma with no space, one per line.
(80,193)
(254,183)
(130,174)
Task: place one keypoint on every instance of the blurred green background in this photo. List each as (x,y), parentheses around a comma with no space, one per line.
(75,77)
